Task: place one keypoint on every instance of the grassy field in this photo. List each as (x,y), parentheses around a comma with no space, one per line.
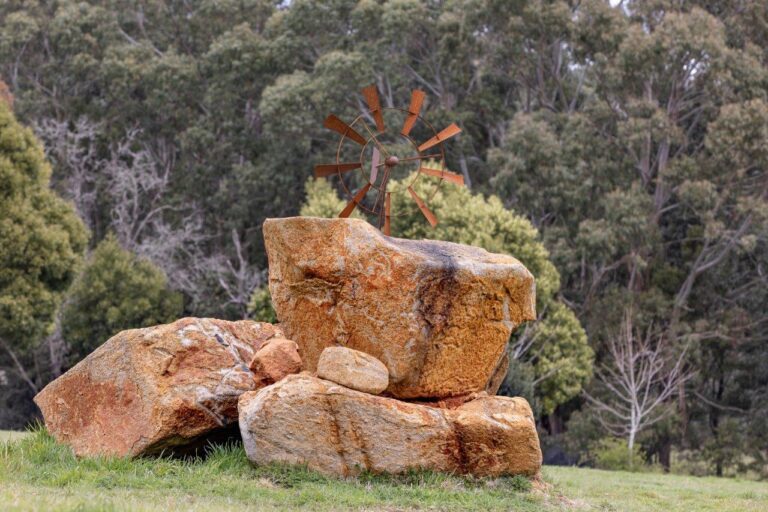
(38,474)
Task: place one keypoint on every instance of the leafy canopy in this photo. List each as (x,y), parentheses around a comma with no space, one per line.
(41,238)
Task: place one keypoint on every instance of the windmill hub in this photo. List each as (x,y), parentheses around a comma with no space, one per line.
(391,161)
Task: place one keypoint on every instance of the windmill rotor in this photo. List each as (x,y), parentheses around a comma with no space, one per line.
(382,154)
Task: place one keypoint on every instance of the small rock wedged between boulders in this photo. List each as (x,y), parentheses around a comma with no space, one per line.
(278,358)
(353,369)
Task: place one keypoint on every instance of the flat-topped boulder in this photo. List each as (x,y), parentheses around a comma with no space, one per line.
(437,314)
(154,389)
(336,430)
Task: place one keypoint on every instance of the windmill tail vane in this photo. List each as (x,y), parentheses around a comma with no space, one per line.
(379,158)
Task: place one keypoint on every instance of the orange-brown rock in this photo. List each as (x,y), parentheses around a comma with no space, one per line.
(153,389)
(437,314)
(276,359)
(336,430)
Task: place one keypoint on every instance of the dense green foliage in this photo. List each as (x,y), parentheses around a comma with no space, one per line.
(116,291)
(631,137)
(41,238)
(260,308)
(323,201)
(41,246)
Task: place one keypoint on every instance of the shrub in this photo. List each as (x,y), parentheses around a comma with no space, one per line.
(611,453)
(260,307)
(116,291)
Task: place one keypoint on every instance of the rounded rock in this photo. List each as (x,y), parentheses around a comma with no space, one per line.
(353,369)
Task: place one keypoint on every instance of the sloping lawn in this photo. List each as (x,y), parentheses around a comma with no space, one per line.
(38,474)
(594,489)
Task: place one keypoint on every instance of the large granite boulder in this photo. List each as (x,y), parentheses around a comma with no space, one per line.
(437,314)
(154,389)
(339,431)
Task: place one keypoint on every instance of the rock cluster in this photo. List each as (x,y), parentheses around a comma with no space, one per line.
(386,358)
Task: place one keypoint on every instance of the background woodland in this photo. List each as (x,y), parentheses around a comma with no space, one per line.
(619,151)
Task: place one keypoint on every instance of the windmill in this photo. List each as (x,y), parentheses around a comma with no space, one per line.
(382,153)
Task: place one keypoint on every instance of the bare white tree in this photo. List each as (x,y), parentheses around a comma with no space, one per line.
(138,181)
(72,149)
(57,349)
(640,376)
(137,178)
(235,276)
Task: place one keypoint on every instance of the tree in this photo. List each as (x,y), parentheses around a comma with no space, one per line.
(116,291)
(555,347)
(41,246)
(656,187)
(638,379)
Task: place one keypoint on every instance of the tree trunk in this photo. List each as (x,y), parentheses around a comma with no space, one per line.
(631,446)
(19,367)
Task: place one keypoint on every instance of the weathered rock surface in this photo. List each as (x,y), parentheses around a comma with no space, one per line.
(336,430)
(353,369)
(437,314)
(276,359)
(146,390)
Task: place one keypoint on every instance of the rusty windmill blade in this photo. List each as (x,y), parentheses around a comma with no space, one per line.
(423,207)
(334,123)
(374,165)
(417,99)
(371,95)
(387,212)
(449,176)
(445,134)
(325,170)
(347,211)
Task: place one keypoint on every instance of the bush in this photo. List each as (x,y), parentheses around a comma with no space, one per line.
(611,453)
(260,307)
(42,239)
(116,291)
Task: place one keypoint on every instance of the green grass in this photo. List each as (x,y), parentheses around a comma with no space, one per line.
(594,489)
(38,474)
